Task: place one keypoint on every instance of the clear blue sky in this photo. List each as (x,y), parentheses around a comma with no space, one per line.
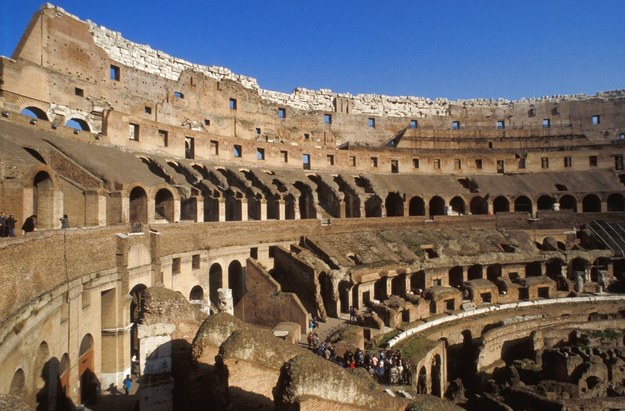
(439,48)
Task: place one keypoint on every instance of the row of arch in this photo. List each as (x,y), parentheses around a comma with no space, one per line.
(50,380)
(75,122)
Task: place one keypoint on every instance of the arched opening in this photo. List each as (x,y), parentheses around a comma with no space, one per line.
(138,206)
(78,124)
(289,207)
(436,376)
(64,377)
(493,273)
(164,205)
(88,379)
(326,291)
(196,295)
(615,202)
(417,281)
(501,205)
(569,203)
(553,268)
(478,205)
(394,205)
(437,206)
(35,112)
(579,265)
(136,316)
(233,205)
(379,289)
(373,206)
(398,285)
(416,206)
(600,264)
(236,281)
(18,383)
(591,204)
(533,269)
(457,205)
(43,200)
(306,201)
(545,202)
(456,276)
(215,282)
(43,353)
(422,381)
(523,204)
(475,272)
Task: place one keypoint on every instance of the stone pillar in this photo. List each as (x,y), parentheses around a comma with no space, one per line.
(406,208)
(226,303)
(222,208)
(151,210)
(579,281)
(155,366)
(263,209)
(176,211)
(199,209)
(342,211)
(244,209)
(102,214)
(281,210)
(298,216)
(490,207)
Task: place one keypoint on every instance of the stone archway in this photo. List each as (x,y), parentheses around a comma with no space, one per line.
(478,205)
(437,206)
(43,200)
(18,384)
(215,282)
(545,202)
(164,205)
(86,373)
(394,205)
(373,206)
(416,206)
(523,204)
(501,205)
(138,206)
(457,205)
(591,204)
(568,202)
(615,202)
(236,281)
(35,112)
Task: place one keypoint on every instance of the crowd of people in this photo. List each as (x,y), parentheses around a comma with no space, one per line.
(7,224)
(386,366)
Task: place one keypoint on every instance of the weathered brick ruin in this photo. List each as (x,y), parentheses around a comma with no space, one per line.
(481,238)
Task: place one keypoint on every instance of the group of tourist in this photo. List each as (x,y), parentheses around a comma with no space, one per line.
(387,367)
(7,224)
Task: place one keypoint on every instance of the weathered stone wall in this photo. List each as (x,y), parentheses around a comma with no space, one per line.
(265,304)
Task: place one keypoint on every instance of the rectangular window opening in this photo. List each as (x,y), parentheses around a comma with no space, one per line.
(114,73)
(546,123)
(415,163)
(237,151)
(163,136)
(232,103)
(79,92)
(394,166)
(544,162)
(374,161)
(214,147)
(457,164)
(133,131)
(189,148)
(207,122)
(306,136)
(618,162)
(254,253)
(285,156)
(592,161)
(281,113)
(413,124)
(478,163)
(568,162)
(175,265)
(195,261)
(147,110)
(327,118)
(371,123)
(501,125)
(500,167)
(306,161)
(352,161)
(596,119)
(178,95)
(258,131)
(455,125)
(260,153)
(437,164)
(330,159)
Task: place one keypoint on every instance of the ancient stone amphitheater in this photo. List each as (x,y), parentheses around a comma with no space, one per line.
(211,220)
